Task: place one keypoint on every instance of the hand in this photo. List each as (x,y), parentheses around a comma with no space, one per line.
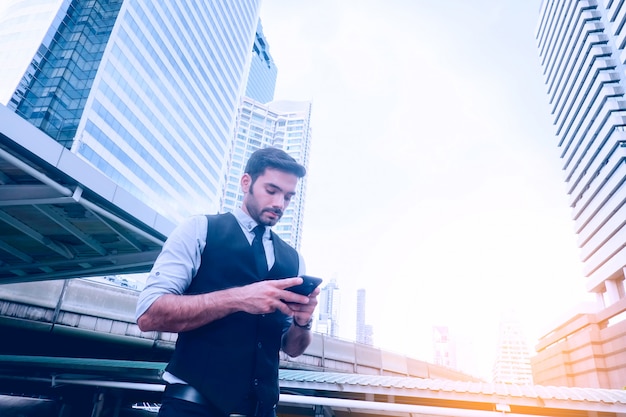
(267,296)
(302,312)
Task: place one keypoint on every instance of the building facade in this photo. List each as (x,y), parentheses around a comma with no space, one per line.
(512,364)
(328,309)
(582,47)
(23,26)
(145,91)
(444,349)
(364,331)
(281,124)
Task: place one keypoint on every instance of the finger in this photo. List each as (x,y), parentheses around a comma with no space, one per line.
(285,309)
(302,308)
(292,297)
(296,306)
(287,282)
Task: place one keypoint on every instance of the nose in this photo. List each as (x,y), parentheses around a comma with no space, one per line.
(278,201)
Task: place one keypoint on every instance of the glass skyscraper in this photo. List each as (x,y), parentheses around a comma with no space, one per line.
(23,25)
(263,71)
(145,91)
(281,124)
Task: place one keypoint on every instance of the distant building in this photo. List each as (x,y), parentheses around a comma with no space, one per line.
(581,47)
(328,309)
(263,71)
(281,124)
(512,365)
(444,348)
(368,335)
(364,332)
(147,92)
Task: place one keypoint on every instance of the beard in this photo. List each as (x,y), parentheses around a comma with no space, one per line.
(267,216)
(274,216)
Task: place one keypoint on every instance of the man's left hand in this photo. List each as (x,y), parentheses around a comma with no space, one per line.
(303,312)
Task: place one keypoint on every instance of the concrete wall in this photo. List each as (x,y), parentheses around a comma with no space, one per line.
(97,310)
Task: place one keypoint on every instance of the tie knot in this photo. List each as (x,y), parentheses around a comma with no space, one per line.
(259,230)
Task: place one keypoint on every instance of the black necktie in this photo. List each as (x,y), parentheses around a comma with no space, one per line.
(259,251)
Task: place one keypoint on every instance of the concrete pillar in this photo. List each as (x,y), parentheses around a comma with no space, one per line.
(600,303)
(614,291)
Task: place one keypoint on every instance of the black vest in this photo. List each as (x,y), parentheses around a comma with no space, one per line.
(234,361)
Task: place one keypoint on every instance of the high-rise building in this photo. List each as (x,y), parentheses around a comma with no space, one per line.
(263,71)
(581,48)
(328,309)
(443,347)
(512,364)
(281,124)
(364,332)
(145,91)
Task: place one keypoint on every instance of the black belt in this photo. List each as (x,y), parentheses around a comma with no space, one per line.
(186,393)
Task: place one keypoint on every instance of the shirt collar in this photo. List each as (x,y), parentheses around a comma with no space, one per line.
(247,222)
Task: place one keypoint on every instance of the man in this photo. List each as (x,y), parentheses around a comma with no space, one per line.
(232,315)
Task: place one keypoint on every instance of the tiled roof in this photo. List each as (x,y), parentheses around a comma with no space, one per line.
(533,395)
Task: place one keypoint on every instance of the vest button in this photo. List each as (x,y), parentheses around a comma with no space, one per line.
(260,345)
(256,381)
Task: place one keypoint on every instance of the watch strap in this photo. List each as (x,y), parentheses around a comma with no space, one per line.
(306,326)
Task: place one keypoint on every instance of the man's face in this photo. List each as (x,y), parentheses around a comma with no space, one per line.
(266,200)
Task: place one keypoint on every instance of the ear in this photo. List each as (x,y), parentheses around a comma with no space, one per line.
(246,180)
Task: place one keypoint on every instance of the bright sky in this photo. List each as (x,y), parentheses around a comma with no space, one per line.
(434,181)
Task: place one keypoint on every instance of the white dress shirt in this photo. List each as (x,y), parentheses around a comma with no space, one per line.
(181,255)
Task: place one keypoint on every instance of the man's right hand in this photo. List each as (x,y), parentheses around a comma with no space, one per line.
(178,313)
(267,296)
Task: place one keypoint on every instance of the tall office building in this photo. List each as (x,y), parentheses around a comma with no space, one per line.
(582,45)
(145,91)
(281,124)
(328,309)
(512,365)
(263,71)
(443,347)
(364,332)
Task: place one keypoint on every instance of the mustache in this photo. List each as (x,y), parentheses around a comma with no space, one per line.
(276,211)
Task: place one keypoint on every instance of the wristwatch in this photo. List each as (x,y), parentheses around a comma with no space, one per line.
(306,326)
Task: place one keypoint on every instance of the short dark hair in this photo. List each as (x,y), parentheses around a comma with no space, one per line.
(272,158)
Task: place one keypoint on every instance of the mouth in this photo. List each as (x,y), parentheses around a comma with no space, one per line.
(274,213)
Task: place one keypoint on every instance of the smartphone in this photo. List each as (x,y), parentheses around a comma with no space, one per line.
(309,284)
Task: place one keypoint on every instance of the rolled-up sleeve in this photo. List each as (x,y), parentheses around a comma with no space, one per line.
(177,263)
